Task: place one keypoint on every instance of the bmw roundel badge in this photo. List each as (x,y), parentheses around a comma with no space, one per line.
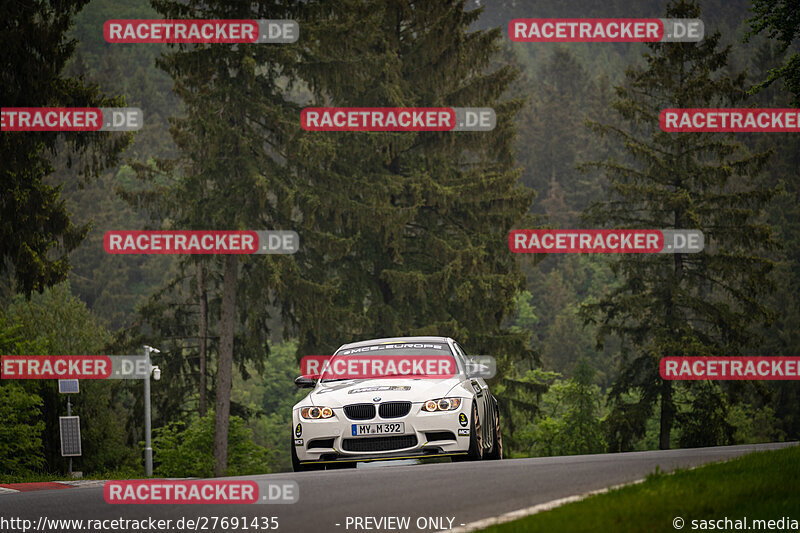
(376,399)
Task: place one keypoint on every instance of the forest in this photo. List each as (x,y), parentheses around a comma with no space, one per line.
(401,233)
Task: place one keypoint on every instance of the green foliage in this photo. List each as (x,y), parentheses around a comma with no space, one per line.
(55,322)
(554,137)
(782,337)
(755,424)
(566,341)
(186,449)
(710,303)
(271,396)
(113,286)
(401,233)
(58,323)
(407,226)
(519,396)
(38,233)
(568,420)
(232,173)
(525,318)
(705,421)
(562,284)
(779,19)
(21,430)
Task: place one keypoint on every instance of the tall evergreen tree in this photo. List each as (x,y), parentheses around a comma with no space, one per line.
(37,232)
(231,174)
(401,233)
(682,304)
(783,335)
(780,19)
(422,218)
(554,138)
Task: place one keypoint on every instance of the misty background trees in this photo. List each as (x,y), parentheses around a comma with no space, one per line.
(401,233)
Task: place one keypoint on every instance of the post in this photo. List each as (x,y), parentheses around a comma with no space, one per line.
(69,413)
(148,449)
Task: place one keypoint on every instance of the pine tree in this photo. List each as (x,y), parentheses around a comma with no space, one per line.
(37,232)
(780,19)
(555,139)
(231,173)
(420,219)
(682,304)
(783,336)
(401,233)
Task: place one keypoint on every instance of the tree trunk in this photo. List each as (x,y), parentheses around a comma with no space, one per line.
(225,365)
(667,406)
(667,415)
(202,336)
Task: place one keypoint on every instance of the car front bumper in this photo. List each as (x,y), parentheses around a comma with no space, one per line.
(426,434)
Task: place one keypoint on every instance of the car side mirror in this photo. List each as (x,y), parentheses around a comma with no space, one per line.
(305,382)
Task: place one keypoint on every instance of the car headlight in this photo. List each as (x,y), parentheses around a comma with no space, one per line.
(442,404)
(314,413)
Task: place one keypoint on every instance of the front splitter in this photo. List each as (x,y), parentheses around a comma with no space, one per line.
(369,459)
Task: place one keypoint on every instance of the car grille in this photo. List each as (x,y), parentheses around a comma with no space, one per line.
(320,443)
(379,444)
(394,409)
(360,411)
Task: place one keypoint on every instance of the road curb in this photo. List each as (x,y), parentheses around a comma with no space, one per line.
(13,488)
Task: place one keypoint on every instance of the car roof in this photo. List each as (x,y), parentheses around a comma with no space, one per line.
(388,340)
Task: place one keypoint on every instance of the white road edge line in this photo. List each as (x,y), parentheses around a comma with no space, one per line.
(522,513)
(75,484)
(552,504)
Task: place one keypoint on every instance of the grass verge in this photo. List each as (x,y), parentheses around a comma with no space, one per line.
(761,485)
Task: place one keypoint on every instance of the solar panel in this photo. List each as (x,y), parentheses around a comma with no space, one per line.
(70,427)
(68,386)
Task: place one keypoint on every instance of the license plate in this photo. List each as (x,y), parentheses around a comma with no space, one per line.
(363,430)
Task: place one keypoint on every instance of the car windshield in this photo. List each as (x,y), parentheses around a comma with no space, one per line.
(395,360)
(401,348)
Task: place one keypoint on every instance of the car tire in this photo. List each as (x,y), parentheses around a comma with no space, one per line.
(497,447)
(299,467)
(475,450)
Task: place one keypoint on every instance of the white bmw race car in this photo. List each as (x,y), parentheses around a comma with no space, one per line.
(346,420)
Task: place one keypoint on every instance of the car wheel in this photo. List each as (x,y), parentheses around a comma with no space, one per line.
(497,449)
(475,451)
(299,467)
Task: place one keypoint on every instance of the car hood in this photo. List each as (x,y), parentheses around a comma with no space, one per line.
(341,393)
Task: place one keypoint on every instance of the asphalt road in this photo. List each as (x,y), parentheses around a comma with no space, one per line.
(463,492)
